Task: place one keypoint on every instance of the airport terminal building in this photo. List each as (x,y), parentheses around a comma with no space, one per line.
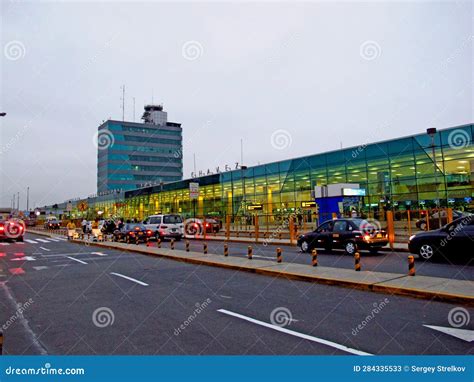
(415,172)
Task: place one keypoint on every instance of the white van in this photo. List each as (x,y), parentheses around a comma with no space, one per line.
(165,226)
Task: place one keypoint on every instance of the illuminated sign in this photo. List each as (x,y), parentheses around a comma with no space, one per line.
(255,207)
(353,191)
(308,204)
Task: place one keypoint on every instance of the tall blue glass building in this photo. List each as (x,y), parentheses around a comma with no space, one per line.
(133,155)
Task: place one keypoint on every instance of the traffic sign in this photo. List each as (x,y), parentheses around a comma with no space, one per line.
(82,206)
(193,190)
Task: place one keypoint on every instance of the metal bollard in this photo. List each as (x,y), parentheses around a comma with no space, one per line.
(411,266)
(187,245)
(128,240)
(279,256)
(226,250)
(249,252)
(172,244)
(137,240)
(357,261)
(158,243)
(205,248)
(279,235)
(314,257)
(147,241)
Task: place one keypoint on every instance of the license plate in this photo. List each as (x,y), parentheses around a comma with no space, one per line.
(140,233)
(379,235)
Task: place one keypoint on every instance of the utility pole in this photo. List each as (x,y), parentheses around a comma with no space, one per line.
(27,199)
(123,102)
(18,201)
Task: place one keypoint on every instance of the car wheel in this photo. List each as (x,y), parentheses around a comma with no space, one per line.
(304,246)
(350,248)
(20,239)
(426,252)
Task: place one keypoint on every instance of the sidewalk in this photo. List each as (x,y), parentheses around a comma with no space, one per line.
(430,288)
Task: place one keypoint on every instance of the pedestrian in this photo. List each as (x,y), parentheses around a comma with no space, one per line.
(84,225)
(71,229)
(353,213)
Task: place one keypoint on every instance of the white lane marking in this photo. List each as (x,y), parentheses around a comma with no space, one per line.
(31,241)
(25,258)
(45,249)
(296,334)
(79,261)
(98,253)
(19,242)
(43,241)
(4,243)
(53,239)
(40,268)
(129,278)
(61,238)
(463,334)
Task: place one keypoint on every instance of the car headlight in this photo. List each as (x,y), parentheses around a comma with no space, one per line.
(411,237)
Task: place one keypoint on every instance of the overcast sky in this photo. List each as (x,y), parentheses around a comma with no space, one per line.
(290,79)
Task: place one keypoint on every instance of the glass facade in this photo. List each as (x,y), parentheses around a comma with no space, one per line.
(132,155)
(400,174)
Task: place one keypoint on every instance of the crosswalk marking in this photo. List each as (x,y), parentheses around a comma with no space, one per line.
(43,240)
(98,253)
(4,243)
(31,241)
(53,239)
(79,261)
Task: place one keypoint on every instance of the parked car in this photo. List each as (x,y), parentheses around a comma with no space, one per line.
(165,226)
(52,224)
(453,239)
(435,218)
(198,226)
(349,234)
(12,229)
(132,232)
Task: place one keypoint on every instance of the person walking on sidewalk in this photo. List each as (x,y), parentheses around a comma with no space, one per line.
(84,225)
(71,229)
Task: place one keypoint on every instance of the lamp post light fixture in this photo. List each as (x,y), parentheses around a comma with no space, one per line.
(3,114)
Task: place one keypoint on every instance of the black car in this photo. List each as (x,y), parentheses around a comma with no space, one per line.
(132,232)
(52,224)
(452,239)
(348,234)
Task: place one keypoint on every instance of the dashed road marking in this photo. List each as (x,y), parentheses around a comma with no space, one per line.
(129,278)
(45,249)
(31,241)
(98,253)
(79,261)
(43,240)
(296,334)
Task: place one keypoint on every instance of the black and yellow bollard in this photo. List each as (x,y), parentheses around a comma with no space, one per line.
(226,250)
(279,235)
(172,244)
(187,245)
(128,239)
(147,241)
(249,252)
(314,257)
(137,240)
(279,256)
(205,248)
(357,261)
(158,243)
(411,266)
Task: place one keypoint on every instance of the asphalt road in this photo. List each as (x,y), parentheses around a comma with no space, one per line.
(79,299)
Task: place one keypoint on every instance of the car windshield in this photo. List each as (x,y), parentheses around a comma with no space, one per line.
(172,219)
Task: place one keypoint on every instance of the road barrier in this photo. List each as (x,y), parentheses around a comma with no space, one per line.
(357,261)
(279,256)
(226,250)
(314,257)
(187,245)
(172,244)
(205,248)
(411,266)
(249,252)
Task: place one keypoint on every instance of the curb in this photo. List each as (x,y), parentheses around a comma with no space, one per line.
(372,287)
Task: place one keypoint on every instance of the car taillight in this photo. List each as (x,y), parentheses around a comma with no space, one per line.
(131,233)
(137,228)
(207,224)
(2,228)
